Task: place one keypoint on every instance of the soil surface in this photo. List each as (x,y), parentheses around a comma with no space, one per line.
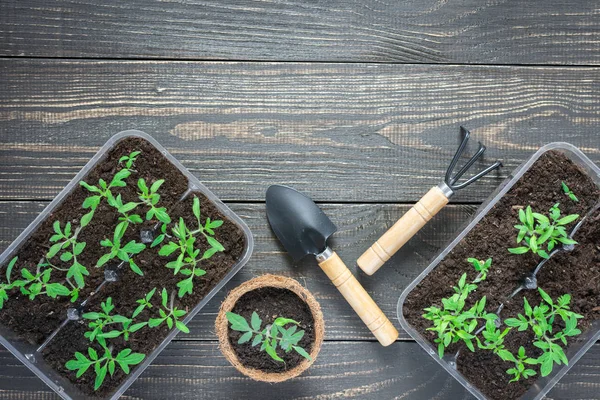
(271,303)
(44,315)
(574,272)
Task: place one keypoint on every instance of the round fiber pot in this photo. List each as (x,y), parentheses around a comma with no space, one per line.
(270,296)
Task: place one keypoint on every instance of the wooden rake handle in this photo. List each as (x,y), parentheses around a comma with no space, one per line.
(405,228)
(359,299)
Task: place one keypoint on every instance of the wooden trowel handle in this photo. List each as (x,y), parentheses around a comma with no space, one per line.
(405,228)
(359,299)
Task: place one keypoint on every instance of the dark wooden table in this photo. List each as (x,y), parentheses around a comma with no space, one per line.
(356,103)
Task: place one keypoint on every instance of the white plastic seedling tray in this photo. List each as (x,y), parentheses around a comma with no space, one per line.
(577,348)
(31,356)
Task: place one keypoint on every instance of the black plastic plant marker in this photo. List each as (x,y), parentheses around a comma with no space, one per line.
(303,228)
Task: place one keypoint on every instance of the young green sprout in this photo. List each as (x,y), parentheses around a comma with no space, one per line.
(124,210)
(482,267)
(520,369)
(169,314)
(105,364)
(101,320)
(143,303)
(123,253)
(9,285)
(188,258)
(452,322)
(66,241)
(537,231)
(150,198)
(270,337)
(569,192)
(494,341)
(541,320)
(39,283)
(99,323)
(129,160)
(103,189)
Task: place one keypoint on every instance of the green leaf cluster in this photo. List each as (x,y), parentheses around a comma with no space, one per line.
(540,233)
(119,251)
(103,189)
(452,322)
(185,248)
(569,192)
(125,209)
(130,159)
(32,284)
(105,326)
(6,287)
(65,243)
(150,198)
(482,267)
(269,337)
(39,282)
(542,320)
(125,359)
(494,341)
(143,303)
(169,314)
(101,320)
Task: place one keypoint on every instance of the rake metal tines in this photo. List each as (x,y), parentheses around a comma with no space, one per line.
(451,180)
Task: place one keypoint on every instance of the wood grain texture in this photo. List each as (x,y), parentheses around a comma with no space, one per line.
(359,225)
(339,132)
(197,370)
(424,31)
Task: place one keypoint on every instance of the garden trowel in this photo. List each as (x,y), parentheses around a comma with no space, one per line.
(303,229)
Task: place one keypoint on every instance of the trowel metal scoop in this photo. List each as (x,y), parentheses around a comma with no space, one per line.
(303,228)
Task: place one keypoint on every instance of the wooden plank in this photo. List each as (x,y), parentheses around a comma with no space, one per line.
(469,31)
(358,226)
(340,132)
(359,370)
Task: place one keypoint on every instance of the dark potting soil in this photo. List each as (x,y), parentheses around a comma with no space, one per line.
(271,303)
(46,314)
(128,286)
(574,272)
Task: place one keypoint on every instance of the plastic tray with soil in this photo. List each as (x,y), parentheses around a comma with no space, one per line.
(559,269)
(115,267)
(270,328)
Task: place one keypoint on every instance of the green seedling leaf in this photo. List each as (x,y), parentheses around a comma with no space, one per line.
(284,321)
(255,321)
(238,323)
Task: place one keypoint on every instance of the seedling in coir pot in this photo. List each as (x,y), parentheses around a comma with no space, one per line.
(269,337)
(541,233)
